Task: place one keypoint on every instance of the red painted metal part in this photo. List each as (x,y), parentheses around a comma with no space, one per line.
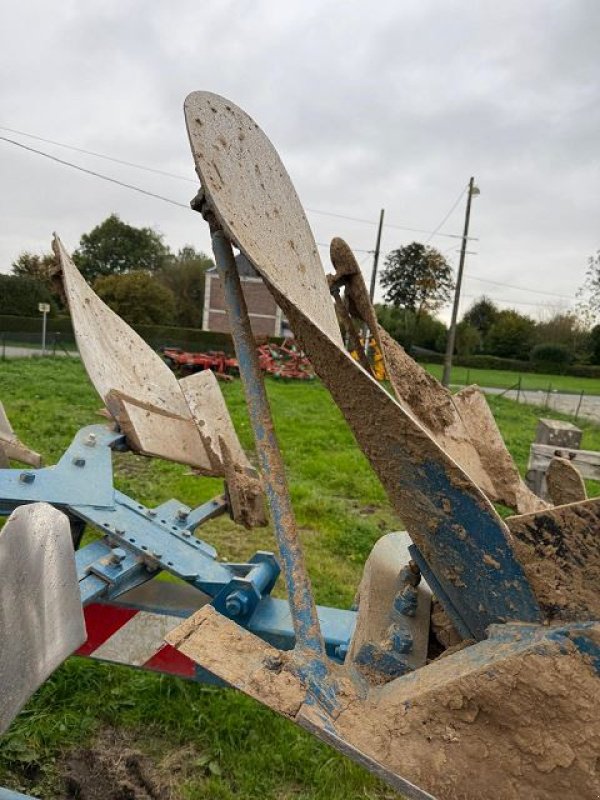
(133,637)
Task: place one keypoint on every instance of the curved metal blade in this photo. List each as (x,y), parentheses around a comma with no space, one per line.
(450,520)
(462,424)
(12,447)
(41,618)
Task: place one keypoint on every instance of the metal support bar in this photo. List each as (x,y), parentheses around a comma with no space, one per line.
(302,604)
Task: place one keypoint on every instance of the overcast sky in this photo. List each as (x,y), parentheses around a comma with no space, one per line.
(371,105)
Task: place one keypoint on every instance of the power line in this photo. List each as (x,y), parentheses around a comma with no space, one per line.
(122,161)
(174,175)
(522,288)
(456,202)
(509,302)
(123,184)
(96,174)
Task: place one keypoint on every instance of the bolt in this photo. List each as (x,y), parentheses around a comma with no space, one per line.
(406,601)
(79,462)
(156,555)
(236,604)
(27,477)
(182,514)
(401,640)
(150,512)
(411,574)
(186,533)
(341,651)
(118,555)
(90,440)
(273,662)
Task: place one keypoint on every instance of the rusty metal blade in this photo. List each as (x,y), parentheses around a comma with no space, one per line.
(41,618)
(453,524)
(12,447)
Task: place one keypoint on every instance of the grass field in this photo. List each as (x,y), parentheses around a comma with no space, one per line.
(529,380)
(224,745)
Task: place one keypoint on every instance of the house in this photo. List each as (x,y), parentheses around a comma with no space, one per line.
(266,318)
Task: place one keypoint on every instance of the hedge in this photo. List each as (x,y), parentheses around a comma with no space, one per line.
(191,339)
(513,365)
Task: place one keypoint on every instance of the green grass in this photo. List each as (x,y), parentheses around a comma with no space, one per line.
(505,379)
(241,749)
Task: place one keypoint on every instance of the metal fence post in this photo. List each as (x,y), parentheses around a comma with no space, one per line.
(579,404)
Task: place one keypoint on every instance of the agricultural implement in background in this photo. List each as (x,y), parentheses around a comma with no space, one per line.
(511,706)
(186,362)
(285,361)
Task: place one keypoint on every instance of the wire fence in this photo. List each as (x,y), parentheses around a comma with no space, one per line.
(576,403)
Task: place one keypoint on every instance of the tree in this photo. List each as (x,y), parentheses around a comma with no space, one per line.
(400,324)
(19,296)
(565,329)
(39,268)
(137,297)
(589,306)
(481,315)
(417,278)
(115,248)
(185,276)
(468,339)
(511,335)
(594,344)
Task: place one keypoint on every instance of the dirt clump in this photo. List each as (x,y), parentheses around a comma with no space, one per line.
(114,767)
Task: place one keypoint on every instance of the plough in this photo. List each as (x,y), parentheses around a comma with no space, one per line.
(511,706)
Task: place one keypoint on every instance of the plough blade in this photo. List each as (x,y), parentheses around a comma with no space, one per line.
(41,618)
(181,421)
(462,424)
(511,717)
(560,552)
(459,535)
(564,482)
(12,447)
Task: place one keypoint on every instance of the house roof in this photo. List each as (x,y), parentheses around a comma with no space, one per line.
(244,267)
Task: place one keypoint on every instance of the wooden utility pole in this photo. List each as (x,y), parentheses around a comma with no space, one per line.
(473,190)
(376,257)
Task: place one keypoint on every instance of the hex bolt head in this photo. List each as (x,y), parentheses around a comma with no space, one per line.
(401,640)
(341,651)
(118,555)
(236,604)
(406,601)
(150,512)
(182,514)
(90,440)
(27,477)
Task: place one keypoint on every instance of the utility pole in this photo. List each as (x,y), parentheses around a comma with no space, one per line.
(376,257)
(473,191)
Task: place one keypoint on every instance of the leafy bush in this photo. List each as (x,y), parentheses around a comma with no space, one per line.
(551,357)
(20,296)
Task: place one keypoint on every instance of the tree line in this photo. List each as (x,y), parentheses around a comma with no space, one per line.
(131,269)
(418,282)
(139,277)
